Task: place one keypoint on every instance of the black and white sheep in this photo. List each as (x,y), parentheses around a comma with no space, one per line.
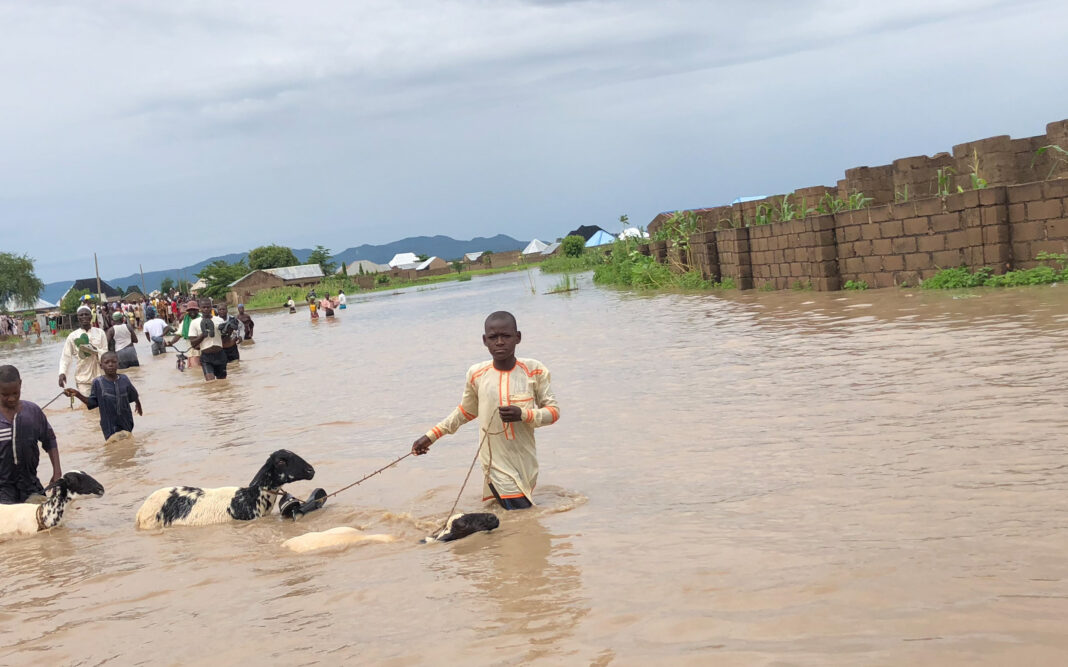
(191,506)
(31,518)
(461,525)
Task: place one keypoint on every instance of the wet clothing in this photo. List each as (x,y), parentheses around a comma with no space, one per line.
(509,456)
(154,329)
(341,301)
(248,324)
(214,363)
(113,400)
(87,356)
(124,347)
(19,455)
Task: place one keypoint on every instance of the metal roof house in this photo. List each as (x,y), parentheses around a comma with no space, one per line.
(364,266)
(261,279)
(110,293)
(403,258)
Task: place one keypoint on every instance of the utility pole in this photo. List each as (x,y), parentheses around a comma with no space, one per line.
(144,292)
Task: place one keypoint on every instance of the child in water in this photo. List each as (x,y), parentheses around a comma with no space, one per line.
(112,393)
(510,397)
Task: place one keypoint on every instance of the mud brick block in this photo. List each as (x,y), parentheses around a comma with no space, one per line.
(826,268)
(996,255)
(845,251)
(974,256)
(880,213)
(1055,189)
(994,215)
(972,217)
(948,258)
(882,246)
(893,263)
(915,226)
(796,269)
(892,228)
(826,237)
(1056,246)
(956,240)
(862,248)
(1017,212)
(828,284)
(868,277)
(927,273)
(1028,231)
(884,279)
(872,263)
(931,243)
(995,234)
(946,222)
(975,236)
(930,206)
(904,245)
(853,265)
(1021,251)
(1057,229)
(849,233)
(992,196)
(1044,210)
(917,261)
(824,223)
(962,200)
(910,277)
(1024,193)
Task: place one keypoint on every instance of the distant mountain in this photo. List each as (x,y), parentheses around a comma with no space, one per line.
(440,246)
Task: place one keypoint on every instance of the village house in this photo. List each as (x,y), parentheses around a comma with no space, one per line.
(305,275)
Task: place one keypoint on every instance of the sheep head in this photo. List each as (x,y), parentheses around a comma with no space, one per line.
(281,468)
(77,483)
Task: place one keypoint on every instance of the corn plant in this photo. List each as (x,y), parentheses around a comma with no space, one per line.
(902,195)
(857,201)
(944,176)
(1058,154)
(830,204)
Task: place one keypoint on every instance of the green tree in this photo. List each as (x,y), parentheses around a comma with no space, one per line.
(457,265)
(573,246)
(18,281)
(166,285)
(71,300)
(423,257)
(270,257)
(218,275)
(321,256)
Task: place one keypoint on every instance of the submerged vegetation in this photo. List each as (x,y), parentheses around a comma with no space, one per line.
(1054,268)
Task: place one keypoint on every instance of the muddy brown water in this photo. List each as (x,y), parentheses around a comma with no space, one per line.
(757,478)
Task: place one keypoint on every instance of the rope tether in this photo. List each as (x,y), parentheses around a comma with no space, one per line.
(52,401)
(481,441)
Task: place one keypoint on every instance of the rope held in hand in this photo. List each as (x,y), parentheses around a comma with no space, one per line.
(481,441)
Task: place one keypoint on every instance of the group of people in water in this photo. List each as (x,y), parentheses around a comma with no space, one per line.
(509,396)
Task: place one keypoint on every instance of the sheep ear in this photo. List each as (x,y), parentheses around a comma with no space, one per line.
(281,462)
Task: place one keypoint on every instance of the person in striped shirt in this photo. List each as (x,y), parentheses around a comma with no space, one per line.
(23,426)
(510,397)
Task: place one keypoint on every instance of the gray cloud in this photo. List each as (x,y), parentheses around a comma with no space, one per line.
(232,124)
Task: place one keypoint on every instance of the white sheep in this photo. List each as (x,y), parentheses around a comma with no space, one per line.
(192,506)
(335,538)
(31,518)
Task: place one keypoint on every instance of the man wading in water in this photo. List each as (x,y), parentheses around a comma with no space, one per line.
(511,397)
(23,426)
(83,345)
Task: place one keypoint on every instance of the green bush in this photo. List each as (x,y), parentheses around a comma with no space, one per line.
(855,285)
(960,277)
(573,246)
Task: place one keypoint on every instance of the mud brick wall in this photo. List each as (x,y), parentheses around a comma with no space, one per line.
(918,175)
(658,251)
(677,258)
(874,182)
(705,254)
(734,262)
(905,243)
(1038,220)
(798,252)
(499,259)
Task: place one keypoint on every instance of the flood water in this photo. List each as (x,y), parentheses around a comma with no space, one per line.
(742,478)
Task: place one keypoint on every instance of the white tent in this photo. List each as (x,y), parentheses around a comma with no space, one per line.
(535,246)
(633,232)
(403,258)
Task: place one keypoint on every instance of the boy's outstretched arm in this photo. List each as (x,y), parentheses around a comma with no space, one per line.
(463,413)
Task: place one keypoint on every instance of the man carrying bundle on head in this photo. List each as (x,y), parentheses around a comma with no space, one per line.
(510,397)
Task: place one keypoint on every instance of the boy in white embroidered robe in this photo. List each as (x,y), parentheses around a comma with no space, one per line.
(510,397)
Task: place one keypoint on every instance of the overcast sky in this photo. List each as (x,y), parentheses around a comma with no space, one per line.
(164,133)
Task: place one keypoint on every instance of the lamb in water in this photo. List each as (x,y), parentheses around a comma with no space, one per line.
(192,506)
(31,518)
